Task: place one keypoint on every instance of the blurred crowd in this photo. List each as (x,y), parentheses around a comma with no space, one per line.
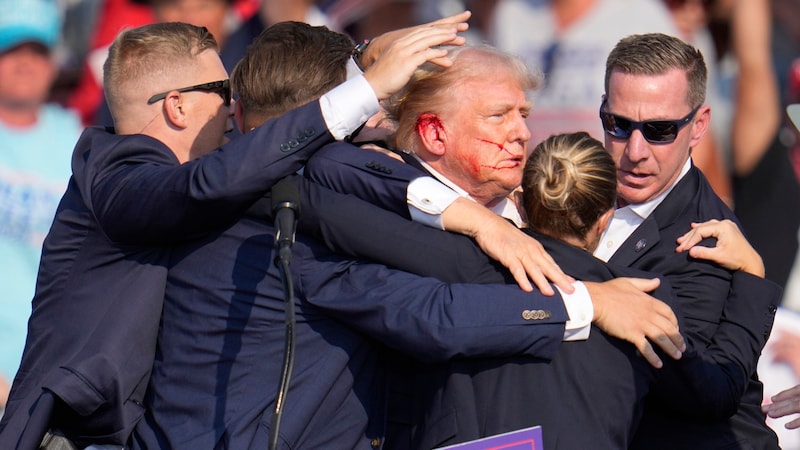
(52,53)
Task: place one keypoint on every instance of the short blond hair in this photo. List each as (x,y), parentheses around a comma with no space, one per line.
(140,57)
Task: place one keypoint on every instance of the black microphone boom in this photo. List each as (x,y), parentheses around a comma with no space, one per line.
(285,210)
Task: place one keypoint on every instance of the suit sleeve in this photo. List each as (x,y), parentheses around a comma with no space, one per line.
(141,195)
(371,175)
(353,227)
(710,380)
(429,319)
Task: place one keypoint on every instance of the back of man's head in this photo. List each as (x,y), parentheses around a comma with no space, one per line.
(657,54)
(289,64)
(150,59)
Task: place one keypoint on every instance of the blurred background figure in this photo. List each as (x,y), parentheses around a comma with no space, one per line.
(766,194)
(37,139)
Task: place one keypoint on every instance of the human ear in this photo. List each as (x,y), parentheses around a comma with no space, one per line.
(174,110)
(700,126)
(431,133)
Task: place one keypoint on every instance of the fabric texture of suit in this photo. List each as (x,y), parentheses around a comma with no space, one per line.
(708,383)
(222,337)
(92,332)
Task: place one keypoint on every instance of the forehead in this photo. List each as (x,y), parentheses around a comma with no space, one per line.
(642,97)
(499,89)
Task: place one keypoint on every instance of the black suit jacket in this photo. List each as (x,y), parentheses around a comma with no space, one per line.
(92,332)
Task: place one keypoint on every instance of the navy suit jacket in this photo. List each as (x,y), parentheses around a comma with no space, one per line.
(221,342)
(724,359)
(92,332)
(705,293)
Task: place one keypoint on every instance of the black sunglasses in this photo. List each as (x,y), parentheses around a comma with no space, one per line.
(654,131)
(221,87)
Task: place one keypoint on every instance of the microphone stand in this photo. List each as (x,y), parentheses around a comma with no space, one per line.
(285,211)
(282,261)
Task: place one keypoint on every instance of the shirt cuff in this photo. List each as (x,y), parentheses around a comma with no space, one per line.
(347,106)
(427,199)
(580,310)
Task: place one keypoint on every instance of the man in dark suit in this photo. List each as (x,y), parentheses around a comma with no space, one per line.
(653,113)
(154,180)
(707,280)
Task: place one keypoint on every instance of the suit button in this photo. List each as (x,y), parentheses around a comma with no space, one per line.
(773,309)
(293,143)
(375,443)
(301,137)
(285,147)
(309,132)
(536,314)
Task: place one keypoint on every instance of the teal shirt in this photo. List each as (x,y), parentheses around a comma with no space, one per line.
(35,165)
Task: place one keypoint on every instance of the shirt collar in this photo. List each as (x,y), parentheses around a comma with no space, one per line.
(644,210)
(504,208)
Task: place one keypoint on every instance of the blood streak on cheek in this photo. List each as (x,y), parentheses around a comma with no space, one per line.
(501,148)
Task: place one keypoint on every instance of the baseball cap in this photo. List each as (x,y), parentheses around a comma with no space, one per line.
(29,21)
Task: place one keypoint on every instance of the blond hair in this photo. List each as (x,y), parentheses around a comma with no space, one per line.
(568,183)
(432,88)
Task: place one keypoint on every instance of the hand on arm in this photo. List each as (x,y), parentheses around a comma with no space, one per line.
(379,45)
(783,404)
(396,64)
(624,310)
(732,251)
(523,255)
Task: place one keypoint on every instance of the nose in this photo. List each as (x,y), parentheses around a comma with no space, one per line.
(520,131)
(637,148)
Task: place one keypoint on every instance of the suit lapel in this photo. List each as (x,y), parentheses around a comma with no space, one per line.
(648,234)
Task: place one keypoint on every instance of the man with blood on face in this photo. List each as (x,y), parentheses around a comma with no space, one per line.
(476,140)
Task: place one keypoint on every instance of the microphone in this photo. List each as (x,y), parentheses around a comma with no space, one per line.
(285,210)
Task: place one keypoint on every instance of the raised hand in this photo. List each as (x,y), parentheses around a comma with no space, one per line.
(396,64)
(378,45)
(624,310)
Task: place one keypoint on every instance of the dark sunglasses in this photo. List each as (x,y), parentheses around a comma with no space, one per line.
(221,87)
(654,131)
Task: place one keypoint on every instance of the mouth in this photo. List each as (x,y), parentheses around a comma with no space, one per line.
(632,177)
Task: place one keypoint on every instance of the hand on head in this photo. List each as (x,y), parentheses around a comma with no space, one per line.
(409,49)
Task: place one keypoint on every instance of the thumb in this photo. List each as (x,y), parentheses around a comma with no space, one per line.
(645,284)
